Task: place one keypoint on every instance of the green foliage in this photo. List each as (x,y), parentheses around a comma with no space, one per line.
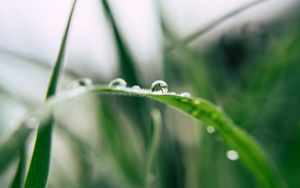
(137,142)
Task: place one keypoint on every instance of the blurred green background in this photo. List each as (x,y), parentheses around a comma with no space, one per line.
(249,65)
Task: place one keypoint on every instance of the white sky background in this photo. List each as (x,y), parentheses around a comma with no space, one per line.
(35,28)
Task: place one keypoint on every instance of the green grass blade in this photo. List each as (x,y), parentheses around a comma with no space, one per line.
(39,167)
(10,146)
(251,155)
(59,62)
(126,61)
(154,144)
(212,25)
(128,71)
(19,177)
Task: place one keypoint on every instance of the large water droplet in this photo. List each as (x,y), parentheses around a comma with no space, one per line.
(32,123)
(159,86)
(232,155)
(210,129)
(185,94)
(118,82)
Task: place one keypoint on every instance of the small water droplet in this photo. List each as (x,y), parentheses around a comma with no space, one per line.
(185,94)
(83,82)
(32,123)
(118,82)
(159,86)
(136,87)
(210,129)
(232,155)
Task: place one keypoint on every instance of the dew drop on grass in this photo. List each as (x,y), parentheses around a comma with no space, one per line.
(136,87)
(159,86)
(118,82)
(210,129)
(232,155)
(32,123)
(83,82)
(185,94)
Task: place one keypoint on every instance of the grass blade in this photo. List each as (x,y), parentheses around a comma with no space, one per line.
(19,177)
(126,61)
(12,144)
(39,167)
(252,156)
(212,25)
(154,144)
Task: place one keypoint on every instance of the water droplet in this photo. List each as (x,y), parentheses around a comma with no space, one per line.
(232,155)
(118,82)
(172,93)
(185,94)
(159,86)
(32,123)
(83,82)
(136,87)
(210,129)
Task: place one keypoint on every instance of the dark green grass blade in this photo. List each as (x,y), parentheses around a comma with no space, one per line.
(212,25)
(19,177)
(39,167)
(126,61)
(252,156)
(112,131)
(128,72)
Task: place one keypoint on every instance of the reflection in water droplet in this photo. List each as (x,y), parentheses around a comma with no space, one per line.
(159,86)
(32,123)
(172,93)
(210,129)
(185,94)
(118,82)
(232,155)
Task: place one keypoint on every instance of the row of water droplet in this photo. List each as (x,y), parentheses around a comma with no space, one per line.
(157,87)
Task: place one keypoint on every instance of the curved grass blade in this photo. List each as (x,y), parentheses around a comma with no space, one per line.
(212,25)
(39,167)
(252,156)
